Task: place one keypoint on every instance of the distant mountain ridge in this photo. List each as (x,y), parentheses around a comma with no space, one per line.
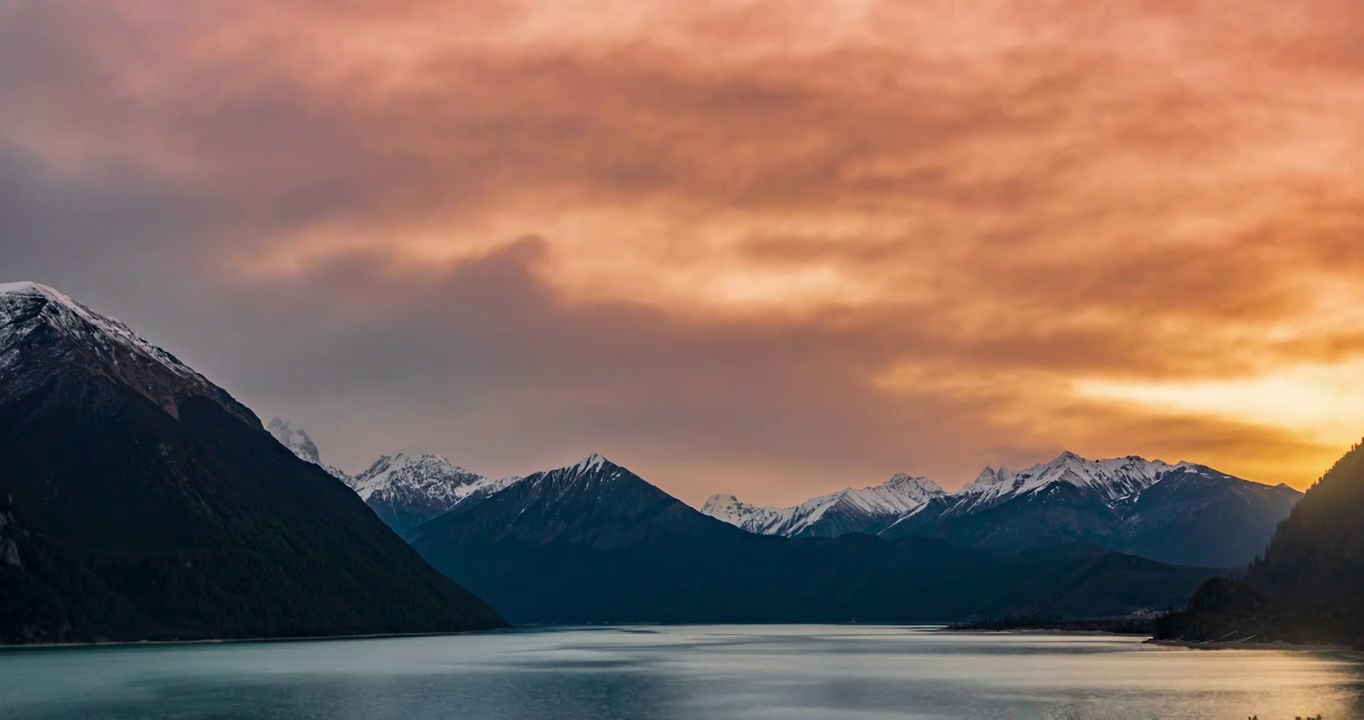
(1114,480)
(406,491)
(1182,513)
(140,501)
(868,510)
(403,490)
(594,542)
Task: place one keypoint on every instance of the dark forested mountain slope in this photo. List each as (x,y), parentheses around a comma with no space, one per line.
(1199,516)
(596,543)
(1309,586)
(1055,514)
(141,501)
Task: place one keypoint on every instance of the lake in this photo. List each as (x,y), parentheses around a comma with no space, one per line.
(680,672)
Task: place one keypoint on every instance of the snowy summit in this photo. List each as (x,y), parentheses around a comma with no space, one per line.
(849,510)
(39,324)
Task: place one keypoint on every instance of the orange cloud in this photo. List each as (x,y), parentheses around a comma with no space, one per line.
(1006,226)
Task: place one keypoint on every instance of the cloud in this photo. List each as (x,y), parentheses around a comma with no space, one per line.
(766,246)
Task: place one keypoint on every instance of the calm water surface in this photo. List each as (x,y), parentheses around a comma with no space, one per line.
(680,672)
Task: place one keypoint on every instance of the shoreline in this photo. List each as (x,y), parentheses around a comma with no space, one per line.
(1182,644)
(1268,645)
(232,641)
(1042,631)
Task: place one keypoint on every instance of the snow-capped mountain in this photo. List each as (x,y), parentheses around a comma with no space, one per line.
(593,502)
(1114,480)
(113,448)
(755,519)
(34,318)
(295,439)
(866,510)
(407,490)
(303,446)
(403,490)
(1183,513)
(594,542)
(1180,513)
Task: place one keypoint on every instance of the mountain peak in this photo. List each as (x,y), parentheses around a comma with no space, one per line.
(1114,479)
(847,510)
(295,439)
(591,463)
(28,287)
(43,330)
(430,462)
(407,490)
(729,508)
(905,480)
(989,475)
(719,500)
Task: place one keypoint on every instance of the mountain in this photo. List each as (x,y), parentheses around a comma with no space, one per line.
(1199,516)
(868,510)
(302,446)
(1184,514)
(296,440)
(1110,480)
(141,501)
(403,490)
(1309,584)
(406,491)
(594,542)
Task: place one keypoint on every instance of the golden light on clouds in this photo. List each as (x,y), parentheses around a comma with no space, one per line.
(1320,403)
(797,244)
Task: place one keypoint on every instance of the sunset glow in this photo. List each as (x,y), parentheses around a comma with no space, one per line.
(756,246)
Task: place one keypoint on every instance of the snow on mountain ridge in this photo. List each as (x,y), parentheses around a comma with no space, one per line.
(108,325)
(595,461)
(295,439)
(404,490)
(1114,479)
(103,344)
(433,475)
(900,495)
(589,474)
(759,520)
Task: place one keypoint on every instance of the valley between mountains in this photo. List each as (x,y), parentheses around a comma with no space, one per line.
(138,500)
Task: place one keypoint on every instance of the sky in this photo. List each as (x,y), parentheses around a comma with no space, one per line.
(770,248)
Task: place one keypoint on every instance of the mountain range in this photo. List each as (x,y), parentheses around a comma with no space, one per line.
(593,542)
(1184,514)
(138,500)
